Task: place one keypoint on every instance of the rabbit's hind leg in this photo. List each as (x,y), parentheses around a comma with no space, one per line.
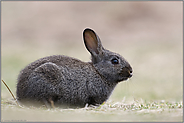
(48,77)
(46,103)
(50,71)
(49,103)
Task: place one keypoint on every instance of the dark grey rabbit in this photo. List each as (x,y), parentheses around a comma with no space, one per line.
(64,81)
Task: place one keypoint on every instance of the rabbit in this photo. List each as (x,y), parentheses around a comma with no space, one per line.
(60,80)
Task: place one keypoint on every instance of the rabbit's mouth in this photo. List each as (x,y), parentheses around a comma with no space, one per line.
(126,74)
(125,78)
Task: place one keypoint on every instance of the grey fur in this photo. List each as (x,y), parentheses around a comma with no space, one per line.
(70,82)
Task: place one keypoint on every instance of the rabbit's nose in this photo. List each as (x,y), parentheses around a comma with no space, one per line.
(130,73)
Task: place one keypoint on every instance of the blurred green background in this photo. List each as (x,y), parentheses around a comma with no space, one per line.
(147,34)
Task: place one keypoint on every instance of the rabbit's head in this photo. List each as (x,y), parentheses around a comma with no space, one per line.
(111,66)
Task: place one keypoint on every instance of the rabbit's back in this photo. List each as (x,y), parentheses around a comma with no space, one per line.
(59,60)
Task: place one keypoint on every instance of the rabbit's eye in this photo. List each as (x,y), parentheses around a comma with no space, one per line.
(114,61)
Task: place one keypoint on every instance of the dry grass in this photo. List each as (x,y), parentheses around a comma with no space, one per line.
(109,111)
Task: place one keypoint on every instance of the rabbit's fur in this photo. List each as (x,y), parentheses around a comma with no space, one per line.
(67,81)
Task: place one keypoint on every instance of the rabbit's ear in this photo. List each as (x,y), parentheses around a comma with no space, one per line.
(92,42)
